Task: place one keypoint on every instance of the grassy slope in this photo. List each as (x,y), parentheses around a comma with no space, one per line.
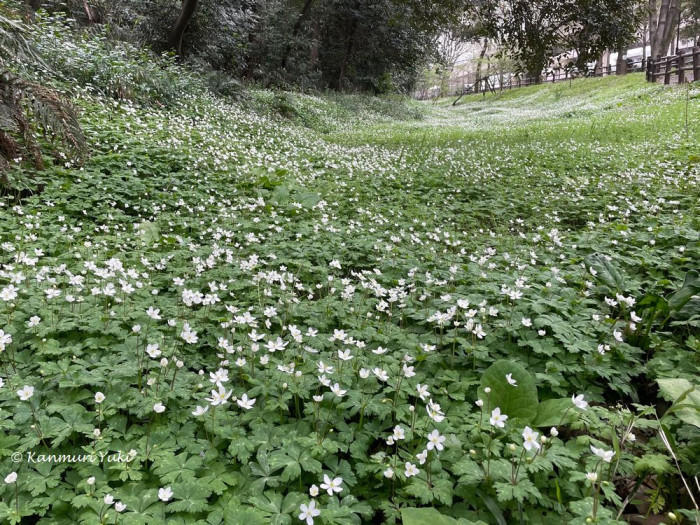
(520,185)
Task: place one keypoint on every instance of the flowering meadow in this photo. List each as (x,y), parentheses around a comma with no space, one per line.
(356,311)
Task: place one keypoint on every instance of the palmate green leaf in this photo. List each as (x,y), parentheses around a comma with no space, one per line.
(653,463)
(522,490)
(189,496)
(606,271)
(171,468)
(554,412)
(470,472)
(685,397)
(514,401)
(691,286)
(278,510)
(426,516)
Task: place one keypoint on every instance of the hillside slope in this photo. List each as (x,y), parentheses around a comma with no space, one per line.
(290,292)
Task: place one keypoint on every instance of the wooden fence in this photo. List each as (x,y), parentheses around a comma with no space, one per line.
(469,85)
(675,69)
(494,83)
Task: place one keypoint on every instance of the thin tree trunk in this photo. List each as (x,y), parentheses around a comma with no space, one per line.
(348,52)
(175,39)
(653,25)
(295,32)
(93,16)
(478,64)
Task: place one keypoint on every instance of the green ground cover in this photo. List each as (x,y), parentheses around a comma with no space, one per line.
(292,304)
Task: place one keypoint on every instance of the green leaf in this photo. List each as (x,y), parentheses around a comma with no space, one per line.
(425,516)
(685,397)
(554,412)
(653,463)
(606,271)
(691,286)
(518,401)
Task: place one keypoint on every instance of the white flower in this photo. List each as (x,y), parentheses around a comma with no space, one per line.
(487,389)
(332,485)
(219,397)
(579,402)
(91,480)
(497,419)
(389,473)
(553,432)
(309,512)
(605,455)
(422,391)
(11,478)
(159,408)
(5,339)
(434,411)
(33,321)
(399,433)
(153,350)
(617,335)
(313,490)
(153,313)
(635,317)
(422,457)
(119,506)
(99,397)
(246,403)
(530,439)
(199,411)
(108,499)
(165,493)
(526,321)
(479,403)
(435,441)
(511,381)
(592,476)
(25,392)
(411,470)
(337,390)
(381,374)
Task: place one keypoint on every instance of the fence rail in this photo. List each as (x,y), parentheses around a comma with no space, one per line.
(469,85)
(676,69)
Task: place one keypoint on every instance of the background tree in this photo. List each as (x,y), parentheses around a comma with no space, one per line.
(663,21)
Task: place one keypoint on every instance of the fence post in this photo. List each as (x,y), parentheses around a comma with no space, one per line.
(667,71)
(696,64)
(681,67)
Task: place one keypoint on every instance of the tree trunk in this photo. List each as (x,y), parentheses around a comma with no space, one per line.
(477,81)
(175,38)
(348,52)
(663,32)
(295,32)
(620,65)
(316,38)
(92,14)
(653,23)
